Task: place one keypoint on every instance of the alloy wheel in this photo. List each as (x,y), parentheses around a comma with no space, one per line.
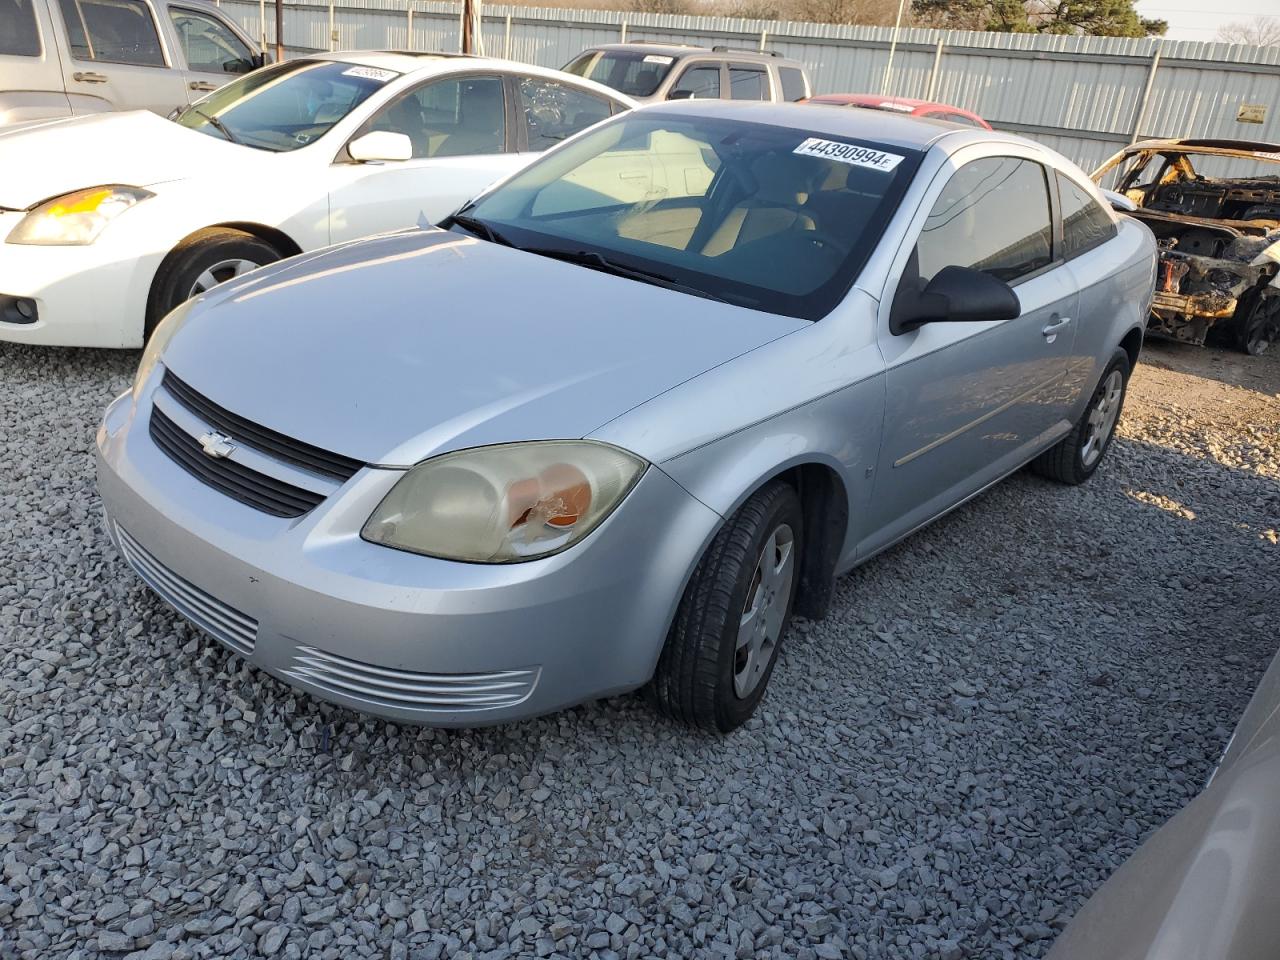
(760,628)
(1101,420)
(220,272)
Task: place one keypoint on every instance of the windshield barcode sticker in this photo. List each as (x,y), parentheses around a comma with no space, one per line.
(371,73)
(849,153)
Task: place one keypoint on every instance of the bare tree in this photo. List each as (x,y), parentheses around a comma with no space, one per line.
(662,6)
(1260,31)
(873,13)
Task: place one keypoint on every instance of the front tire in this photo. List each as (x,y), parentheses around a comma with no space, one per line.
(201,263)
(1258,324)
(728,629)
(1075,457)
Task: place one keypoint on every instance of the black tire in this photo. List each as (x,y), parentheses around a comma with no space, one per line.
(695,678)
(184,265)
(1066,461)
(1257,324)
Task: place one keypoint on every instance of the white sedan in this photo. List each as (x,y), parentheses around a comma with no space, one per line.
(111,221)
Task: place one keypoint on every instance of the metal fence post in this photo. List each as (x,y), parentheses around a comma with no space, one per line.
(764,35)
(1140,115)
(622,36)
(462,27)
(409,35)
(506,46)
(933,73)
(893,47)
(333,29)
(262,20)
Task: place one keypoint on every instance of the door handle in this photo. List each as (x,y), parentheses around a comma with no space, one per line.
(88,77)
(1055,328)
(202,85)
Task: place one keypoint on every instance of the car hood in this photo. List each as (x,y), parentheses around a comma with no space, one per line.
(45,158)
(396,348)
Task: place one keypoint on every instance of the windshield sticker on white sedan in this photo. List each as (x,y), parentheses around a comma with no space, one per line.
(654,58)
(849,153)
(371,73)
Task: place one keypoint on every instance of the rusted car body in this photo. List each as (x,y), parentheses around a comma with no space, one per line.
(1219,235)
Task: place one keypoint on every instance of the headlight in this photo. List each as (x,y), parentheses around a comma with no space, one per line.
(160,338)
(505,503)
(75,219)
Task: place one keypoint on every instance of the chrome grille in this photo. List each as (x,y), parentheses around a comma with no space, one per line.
(407,690)
(226,624)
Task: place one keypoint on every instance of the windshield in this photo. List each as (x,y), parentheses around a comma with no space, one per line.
(637,74)
(762,216)
(287,105)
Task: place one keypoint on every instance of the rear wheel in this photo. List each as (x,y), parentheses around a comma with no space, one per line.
(728,629)
(1075,457)
(201,263)
(1258,329)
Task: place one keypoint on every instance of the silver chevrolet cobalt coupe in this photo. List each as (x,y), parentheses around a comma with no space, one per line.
(626,412)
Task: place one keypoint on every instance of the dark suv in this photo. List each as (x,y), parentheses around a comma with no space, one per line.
(649,72)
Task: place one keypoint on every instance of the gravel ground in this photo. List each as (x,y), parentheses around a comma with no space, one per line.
(996,713)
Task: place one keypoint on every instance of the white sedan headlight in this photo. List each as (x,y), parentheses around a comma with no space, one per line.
(505,503)
(76,219)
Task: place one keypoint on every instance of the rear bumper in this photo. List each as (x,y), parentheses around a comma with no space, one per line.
(410,638)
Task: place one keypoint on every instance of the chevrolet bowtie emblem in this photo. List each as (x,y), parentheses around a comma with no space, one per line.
(216,445)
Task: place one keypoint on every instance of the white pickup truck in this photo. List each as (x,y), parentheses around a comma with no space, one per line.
(61,58)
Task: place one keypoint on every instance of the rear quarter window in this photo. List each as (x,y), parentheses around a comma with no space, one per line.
(793,84)
(1085,224)
(19,36)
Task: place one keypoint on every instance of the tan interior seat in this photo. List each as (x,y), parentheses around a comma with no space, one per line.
(775,207)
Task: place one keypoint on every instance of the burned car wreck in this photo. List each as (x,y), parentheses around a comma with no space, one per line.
(1214,206)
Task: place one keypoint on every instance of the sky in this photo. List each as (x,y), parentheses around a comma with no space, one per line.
(1200,19)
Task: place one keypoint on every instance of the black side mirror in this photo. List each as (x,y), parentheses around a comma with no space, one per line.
(261,60)
(955,295)
(680,95)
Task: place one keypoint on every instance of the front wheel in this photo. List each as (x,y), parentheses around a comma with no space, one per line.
(728,629)
(1075,457)
(1258,326)
(201,263)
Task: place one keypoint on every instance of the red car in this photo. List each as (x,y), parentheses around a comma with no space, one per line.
(906,105)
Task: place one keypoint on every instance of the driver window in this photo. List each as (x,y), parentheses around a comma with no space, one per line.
(459,116)
(994,216)
(699,83)
(208,45)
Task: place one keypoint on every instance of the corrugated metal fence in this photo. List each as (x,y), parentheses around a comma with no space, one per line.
(1085,96)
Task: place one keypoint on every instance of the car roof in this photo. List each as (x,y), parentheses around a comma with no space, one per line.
(687,50)
(891,129)
(410,62)
(1243,148)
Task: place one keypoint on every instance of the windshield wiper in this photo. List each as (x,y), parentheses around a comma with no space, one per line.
(479,228)
(597,261)
(218,125)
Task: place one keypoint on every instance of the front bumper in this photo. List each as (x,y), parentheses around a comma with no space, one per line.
(410,638)
(88,296)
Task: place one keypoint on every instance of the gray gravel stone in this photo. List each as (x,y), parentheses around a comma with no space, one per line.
(995,714)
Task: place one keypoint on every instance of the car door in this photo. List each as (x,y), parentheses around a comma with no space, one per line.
(31,84)
(213,52)
(117,58)
(968,402)
(463,139)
